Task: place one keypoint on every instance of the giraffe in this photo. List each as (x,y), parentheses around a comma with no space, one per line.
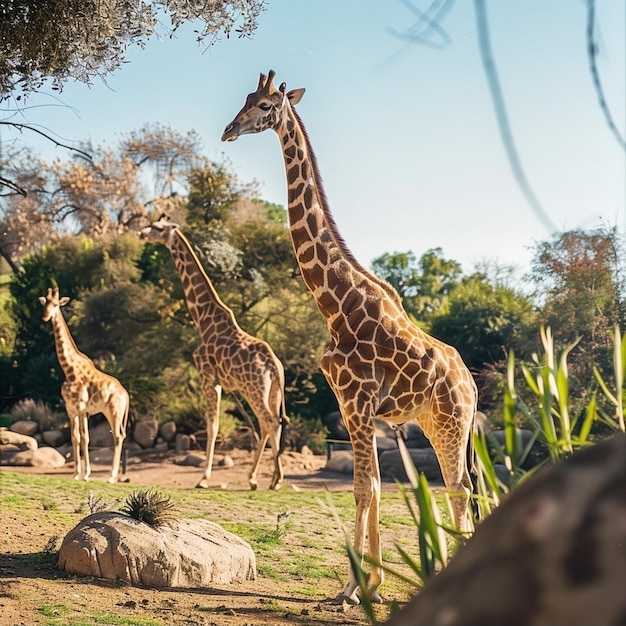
(85,391)
(228,358)
(378,363)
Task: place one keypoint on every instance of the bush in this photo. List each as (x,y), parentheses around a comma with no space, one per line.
(36,411)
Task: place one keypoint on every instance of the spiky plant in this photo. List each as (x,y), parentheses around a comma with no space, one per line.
(151,507)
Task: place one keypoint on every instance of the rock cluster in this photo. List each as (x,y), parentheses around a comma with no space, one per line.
(24,444)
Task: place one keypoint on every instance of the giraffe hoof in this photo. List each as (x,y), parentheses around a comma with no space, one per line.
(347,601)
(203,484)
(253,486)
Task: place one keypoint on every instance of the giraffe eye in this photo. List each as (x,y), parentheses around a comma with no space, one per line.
(264,106)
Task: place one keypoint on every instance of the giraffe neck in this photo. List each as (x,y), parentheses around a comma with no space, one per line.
(72,361)
(335,278)
(203,302)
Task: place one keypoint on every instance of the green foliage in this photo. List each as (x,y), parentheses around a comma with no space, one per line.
(485,321)
(68,39)
(614,398)
(580,277)
(424,285)
(151,507)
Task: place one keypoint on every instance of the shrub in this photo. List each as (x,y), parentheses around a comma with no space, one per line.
(36,411)
(151,507)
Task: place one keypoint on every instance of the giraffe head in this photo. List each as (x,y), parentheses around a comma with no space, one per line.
(265,108)
(160,231)
(52,303)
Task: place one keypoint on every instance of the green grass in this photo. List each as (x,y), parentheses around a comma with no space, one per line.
(294,535)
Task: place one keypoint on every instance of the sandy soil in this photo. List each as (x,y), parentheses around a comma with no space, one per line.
(27,586)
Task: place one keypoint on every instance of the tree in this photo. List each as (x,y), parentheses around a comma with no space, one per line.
(423,285)
(484,321)
(25,222)
(82,39)
(580,279)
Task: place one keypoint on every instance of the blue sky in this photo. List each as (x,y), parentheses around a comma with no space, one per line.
(405,134)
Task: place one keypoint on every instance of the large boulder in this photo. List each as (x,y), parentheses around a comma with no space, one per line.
(424,459)
(167,430)
(100,435)
(25,427)
(42,457)
(187,554)
(22,442)
(551,553)
(146,432)
(54,437)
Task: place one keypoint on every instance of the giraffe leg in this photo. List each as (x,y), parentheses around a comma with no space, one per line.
(451,450)
(116,417)
(366,496)
(257,461)
(277,478)
(213,395)
(373,533)
(84,444)
(75,435)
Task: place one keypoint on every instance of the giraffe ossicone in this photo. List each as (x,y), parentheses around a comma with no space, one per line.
(228,358)
(86,391)
(379,364)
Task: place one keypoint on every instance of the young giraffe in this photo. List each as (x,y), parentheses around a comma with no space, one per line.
(85,391)
(228,357)
(379,364)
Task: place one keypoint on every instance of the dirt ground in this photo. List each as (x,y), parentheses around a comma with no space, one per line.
(26,586)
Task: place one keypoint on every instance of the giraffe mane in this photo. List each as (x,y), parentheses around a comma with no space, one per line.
(333,225)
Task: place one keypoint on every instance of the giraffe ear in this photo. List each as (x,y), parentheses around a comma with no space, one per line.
(295,95)
(64,300)
(42,300)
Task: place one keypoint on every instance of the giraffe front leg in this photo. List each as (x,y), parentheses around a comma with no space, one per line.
(117,418)
(84,444)
(213,395)
(279,474)
(75,435)
(366,495)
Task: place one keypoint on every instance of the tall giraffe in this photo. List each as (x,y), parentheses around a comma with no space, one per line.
(379,364)
(85,391)
(228,357)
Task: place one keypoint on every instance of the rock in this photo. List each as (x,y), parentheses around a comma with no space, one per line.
(306,451)
(25,427)
(167,430)
(183,443)
(146,432)
(341,461)
(226,462)
(189,554)
(414,436)
(551,553)
(337,430)
(54,438)
(22,442)
(425,461)
(386,443)
(383,429)
(193,460)
(100,435)
(42,457)
(161,446)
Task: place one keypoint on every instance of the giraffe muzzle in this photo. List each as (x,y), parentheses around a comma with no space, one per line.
(231,132)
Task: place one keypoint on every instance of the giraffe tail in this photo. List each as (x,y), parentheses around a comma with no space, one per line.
(284,423)
(471,452)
